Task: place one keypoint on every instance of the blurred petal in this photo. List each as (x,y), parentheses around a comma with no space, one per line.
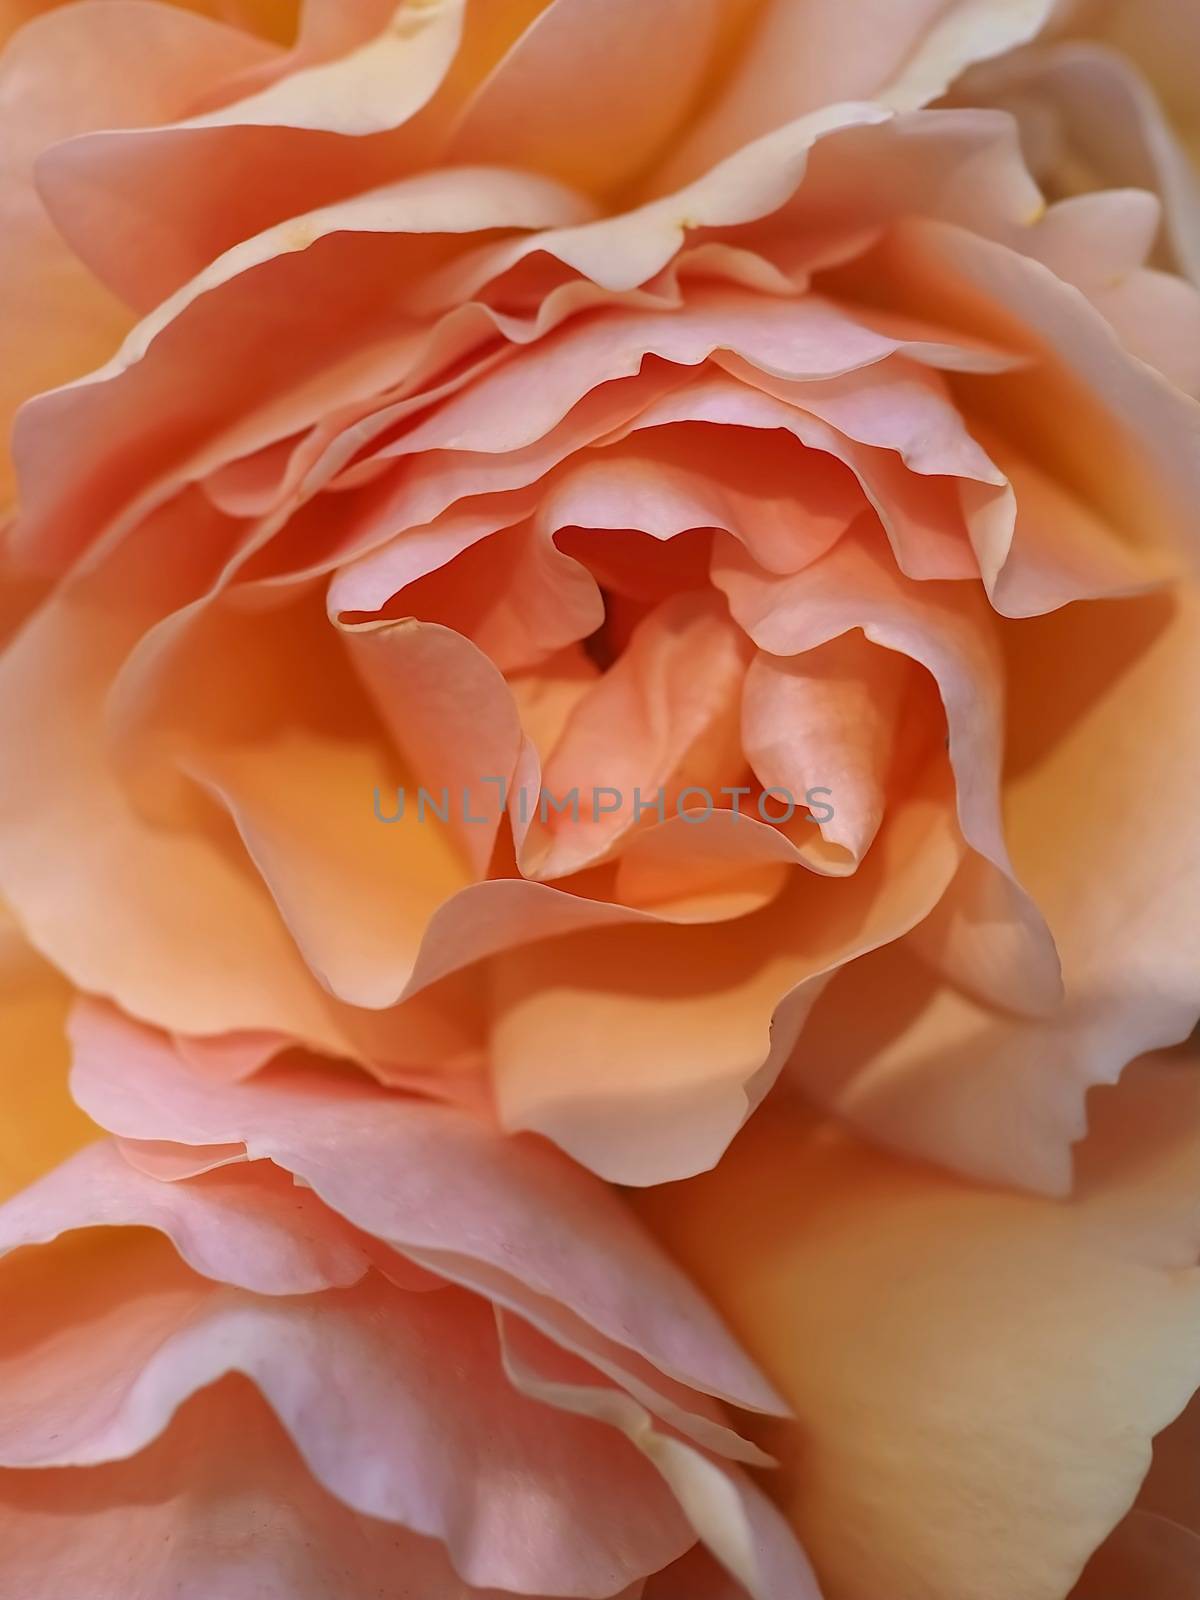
(41,1124)
(1002,1358)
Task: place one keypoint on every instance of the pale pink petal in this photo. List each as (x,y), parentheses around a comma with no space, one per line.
(427,1178)
(249,1226)
(730,1515)
(427,1434)
(1092,121)
(1102,243)
(220,1504)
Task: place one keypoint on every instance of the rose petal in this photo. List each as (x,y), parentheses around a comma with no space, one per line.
(1006,1360)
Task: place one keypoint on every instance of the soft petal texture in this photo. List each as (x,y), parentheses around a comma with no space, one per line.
(151,1334)
(122,62)
(1009,1359)
(222,1504)
(216,1224)
(313,1301)
(431,1180)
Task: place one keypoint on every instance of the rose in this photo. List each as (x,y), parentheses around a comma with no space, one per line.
(329,521)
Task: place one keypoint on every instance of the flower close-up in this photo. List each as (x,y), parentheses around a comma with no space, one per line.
(599,849)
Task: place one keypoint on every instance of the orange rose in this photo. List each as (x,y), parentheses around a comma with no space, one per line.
(622,560)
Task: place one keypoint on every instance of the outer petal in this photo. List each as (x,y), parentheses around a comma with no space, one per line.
(1001,1362)
(397,1401)
(221,1504)
(432,1180)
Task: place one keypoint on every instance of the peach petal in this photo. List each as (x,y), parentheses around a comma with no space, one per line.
(247,1226)
(642,1050)
(994,940)
(786,505)
(172,1162)
(922,516)
(711,866)
(807,338)
(42,1124)
(800,58)
(1151,471)
(927,1069)
(1032,1348)
(674,692)
(594,127)
(355,894)
(511,592)
(66,72)
(252,311)
(244,166)
(440,697)
(154,893)
(829,718)
(425,1178)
